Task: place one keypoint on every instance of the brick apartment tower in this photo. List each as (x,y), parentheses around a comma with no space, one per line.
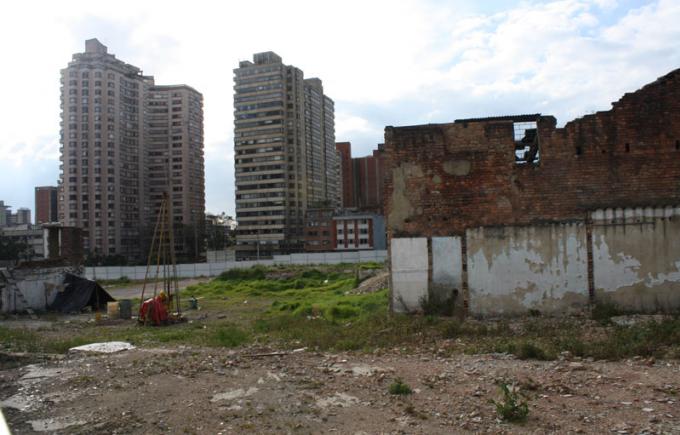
(106,153)
(46,204)
(284,140)
(362,178)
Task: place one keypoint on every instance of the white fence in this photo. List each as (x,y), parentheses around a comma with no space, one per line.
(214,269)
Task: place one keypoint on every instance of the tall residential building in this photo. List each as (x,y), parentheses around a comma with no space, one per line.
(284,142)
(174,117)
(106,178)
(45,204)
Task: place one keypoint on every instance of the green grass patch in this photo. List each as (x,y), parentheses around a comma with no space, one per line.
(399,388)
(229,336)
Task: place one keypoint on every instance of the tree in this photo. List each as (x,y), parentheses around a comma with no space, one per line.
(14,250)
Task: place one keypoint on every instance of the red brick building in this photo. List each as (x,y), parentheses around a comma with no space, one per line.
(319,235)
(346,173)
(362,179)
(46,204)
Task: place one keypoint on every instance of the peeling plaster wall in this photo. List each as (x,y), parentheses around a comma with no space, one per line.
(39,288)
(514,269)
(409,265)
(447,266)
(636,258)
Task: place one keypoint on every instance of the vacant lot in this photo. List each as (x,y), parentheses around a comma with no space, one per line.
(302,350)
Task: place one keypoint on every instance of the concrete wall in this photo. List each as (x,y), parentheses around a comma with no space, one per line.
(447,267)
(514,269)
(38,287)
(636,258)
(220,256)
(214,269)
(409,266)
(511,269)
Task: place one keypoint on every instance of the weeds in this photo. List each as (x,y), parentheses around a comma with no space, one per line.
(399,388)
(437,304)
(603,311)
(511,407)
(230,336)
(528,350)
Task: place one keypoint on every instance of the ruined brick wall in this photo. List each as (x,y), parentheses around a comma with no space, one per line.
(444,178)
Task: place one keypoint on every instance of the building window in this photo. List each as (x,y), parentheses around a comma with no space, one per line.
(526,143)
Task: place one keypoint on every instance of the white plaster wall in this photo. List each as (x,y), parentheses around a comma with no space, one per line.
(447,262)
(514,269)
(38,287)
(636,258)
(409,267)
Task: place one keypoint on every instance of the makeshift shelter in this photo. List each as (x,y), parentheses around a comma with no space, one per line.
(79,293)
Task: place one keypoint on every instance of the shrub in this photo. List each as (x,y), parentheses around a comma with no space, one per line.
(398,387)
(511,407)
(528,350)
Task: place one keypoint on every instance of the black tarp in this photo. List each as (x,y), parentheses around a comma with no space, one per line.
(79,293)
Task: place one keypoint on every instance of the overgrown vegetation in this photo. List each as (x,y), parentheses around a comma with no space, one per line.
(512,407)
(399,388)
(316,307)
(602,312)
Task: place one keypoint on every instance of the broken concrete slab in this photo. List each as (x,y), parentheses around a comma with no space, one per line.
(105,347)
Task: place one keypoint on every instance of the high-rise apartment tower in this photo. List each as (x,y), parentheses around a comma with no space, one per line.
(112,143)
(286,161)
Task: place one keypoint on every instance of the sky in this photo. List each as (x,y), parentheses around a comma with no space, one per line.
(382,62)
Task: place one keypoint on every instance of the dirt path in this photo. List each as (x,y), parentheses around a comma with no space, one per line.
(134,290)
(185,390)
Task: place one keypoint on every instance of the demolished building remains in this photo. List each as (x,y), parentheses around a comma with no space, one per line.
(510,214)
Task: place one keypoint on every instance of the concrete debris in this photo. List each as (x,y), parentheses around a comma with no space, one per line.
(106,347)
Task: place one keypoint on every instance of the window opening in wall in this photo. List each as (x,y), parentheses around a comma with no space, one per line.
(677,145)
(579,150)
(526,143)
(627,147)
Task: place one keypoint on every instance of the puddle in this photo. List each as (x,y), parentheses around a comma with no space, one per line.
(52,424)
(234,394)
(341,400)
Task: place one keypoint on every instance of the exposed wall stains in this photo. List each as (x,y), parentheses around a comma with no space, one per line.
(447,267)
(458,168)
(401,206)
(409,266)
(636,258)
(513,269)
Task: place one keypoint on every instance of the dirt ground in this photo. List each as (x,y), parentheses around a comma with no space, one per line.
(181,389)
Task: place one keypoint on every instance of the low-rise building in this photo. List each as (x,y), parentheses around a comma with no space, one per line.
(319,230)
(327,229)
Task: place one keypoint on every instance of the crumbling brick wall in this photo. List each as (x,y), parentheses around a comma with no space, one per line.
(444,178)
